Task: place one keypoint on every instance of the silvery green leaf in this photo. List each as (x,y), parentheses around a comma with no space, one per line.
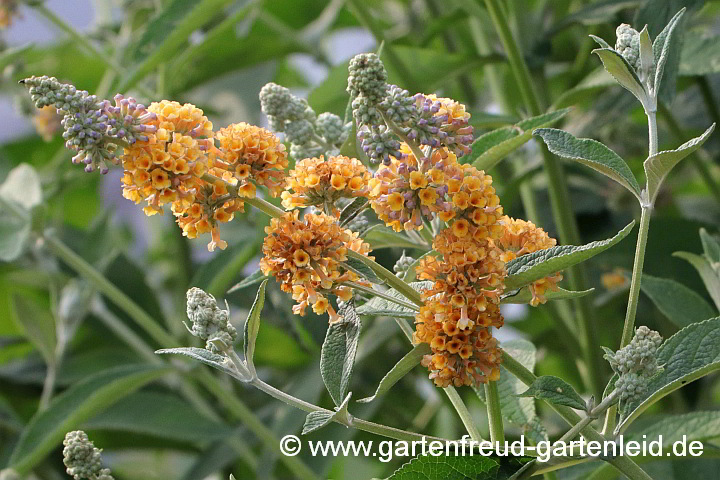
(256,277)
(378,306)
(659,165)
(518,410)
(352,210)
(337,357)
(711,246)
(710,276)
(621,70)
(358,267)
(252,326)
(554,390)
(691,353)
(524,296)
(592,154)
(379,236)
(681,305)
(527,268)
(601,42)
(489,149)
(22,186)
(318,419)
(647,59)
(401,368)
(37,323)
(201,355)
(662,48)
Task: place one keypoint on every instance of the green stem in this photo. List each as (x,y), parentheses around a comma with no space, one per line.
(463,413)
(559,195)
(389,298)
(624,464)
(629,326)
(392,280)
(113,293)
(492,399)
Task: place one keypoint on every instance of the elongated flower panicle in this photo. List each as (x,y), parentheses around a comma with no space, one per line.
(628,44)
(165,167)
(635,364)
(306,255)
(82,459)
(521,237)
(209,322)
(250,156)
(320,182)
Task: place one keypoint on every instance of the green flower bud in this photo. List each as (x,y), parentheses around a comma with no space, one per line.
(402,265)
(46,91)
(628,44)
(299,132)
(331,128)
(299,152)
(276,101)
(82,459)
(399,106)
(209,322)
(367,77)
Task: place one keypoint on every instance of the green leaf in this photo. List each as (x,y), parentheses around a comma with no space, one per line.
(475,467)
(595,82)
(663,48)
(677,302)
(157,414)
(526,269)
(401,368)
(38,323)
(363,270)
(201,355)
(72,407)
(518,410)
(621,71)
(700,53)
(318,419)
(167,33)
(524,296)
(595,13)
(256,277)
(378,306)
(337,357)
(592,154)
(672,428)
(489,149)
(379,236)
(252,325)
(691,353)
(647,59)
(659,165)
(710,276)
(353,209)
(711,246)
(555,390)
(22,186)
(14,231)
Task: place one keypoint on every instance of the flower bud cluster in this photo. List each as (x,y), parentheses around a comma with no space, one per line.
(386,113)
(209,322)
(309,134)
(636,363)
(93,127)
(82,459)
(402,265)
(628,44)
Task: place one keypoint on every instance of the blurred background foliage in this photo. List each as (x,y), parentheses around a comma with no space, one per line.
(217,54)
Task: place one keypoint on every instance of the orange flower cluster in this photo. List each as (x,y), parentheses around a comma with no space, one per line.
(306,257)
(462,306)
(250,154)
(316,181)
(521,237)
(167,167)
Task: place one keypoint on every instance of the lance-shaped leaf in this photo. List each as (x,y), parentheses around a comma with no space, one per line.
(353,209)
(75,405)
(691,353)
(337,357)
(256,277)
(681,305)
(621,71)
(201,355)
(659,165)
(527,268)
(518,410)
(489,149)
(524,295)
(662,48)
(592,154)
(647,59)
(555,390)
(710,276)
(359,267)
(458,467)
(378,306)
(252,326)
(401,368)
(319,418)
(711,246)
